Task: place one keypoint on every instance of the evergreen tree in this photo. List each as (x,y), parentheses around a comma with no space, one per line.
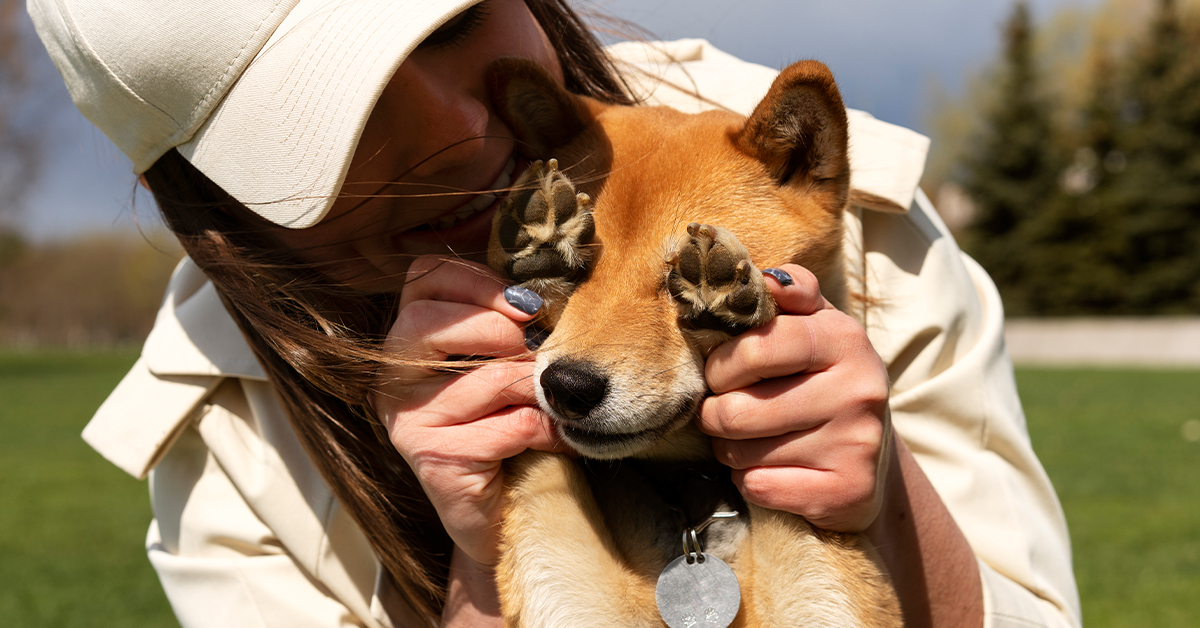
(1157,197)
(1013,170)
(1074,246)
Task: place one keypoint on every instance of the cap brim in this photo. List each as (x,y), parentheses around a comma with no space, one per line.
(282,139)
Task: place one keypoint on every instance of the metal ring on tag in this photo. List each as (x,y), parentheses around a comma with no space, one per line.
(692,551)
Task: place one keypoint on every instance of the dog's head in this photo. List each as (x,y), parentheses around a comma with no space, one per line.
(622,369)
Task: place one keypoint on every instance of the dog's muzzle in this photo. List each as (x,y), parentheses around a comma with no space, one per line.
(602,418)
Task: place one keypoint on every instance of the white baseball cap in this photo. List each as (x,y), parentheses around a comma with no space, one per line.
(267,98)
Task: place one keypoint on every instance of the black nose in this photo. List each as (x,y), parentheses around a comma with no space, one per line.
(573,388)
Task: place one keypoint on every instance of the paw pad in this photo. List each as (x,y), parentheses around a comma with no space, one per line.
(542,236)
(715,285)
(543,228)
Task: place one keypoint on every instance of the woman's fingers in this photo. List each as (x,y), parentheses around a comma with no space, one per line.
(828,499)
(788,344)
(455,431)
(452,307)
(433,330)
(796,403)
(827,472)
(796,341)
(433,278)
(808,444)
(473,412)
(478,446)
(857,437)
(455,427)
(795,290)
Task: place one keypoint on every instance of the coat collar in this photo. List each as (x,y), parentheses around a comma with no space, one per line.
(193,346)
(194,334)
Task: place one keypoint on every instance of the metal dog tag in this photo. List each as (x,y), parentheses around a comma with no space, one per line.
(701,594)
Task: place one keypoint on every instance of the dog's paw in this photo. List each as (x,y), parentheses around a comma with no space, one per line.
(542,234)
(715,285)
(543,229)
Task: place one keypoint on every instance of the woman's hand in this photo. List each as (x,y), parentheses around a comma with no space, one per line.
(800,411)
(453,428)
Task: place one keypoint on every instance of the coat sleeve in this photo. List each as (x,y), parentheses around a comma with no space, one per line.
(936,319)
(238,540)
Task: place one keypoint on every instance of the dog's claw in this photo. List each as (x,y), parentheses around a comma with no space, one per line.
(542,233)
(715,285)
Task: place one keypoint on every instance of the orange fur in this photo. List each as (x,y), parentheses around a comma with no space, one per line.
(583,543)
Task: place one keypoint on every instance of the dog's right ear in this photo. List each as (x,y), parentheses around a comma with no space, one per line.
(540,112)
(799,131)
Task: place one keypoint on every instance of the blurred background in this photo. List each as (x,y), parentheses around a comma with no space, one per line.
(1066,158)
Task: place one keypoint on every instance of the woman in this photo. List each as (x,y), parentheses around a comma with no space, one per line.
(321,163)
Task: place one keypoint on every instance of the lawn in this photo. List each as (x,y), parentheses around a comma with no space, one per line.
(1114,443)
(73,526)
(1121,449)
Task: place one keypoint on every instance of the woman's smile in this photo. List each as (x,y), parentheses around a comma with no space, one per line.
(480,203)
(464,230)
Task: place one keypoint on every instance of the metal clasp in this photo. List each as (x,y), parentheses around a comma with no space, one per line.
(691,539)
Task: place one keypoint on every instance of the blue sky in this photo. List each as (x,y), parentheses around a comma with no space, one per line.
(886,54)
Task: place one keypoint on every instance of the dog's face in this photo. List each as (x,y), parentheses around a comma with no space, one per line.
(644,298)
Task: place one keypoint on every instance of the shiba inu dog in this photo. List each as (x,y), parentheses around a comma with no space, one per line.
(644,234)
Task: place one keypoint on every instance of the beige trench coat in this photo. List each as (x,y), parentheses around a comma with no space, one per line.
(247,533)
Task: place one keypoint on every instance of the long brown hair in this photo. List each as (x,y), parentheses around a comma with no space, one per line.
(319,341)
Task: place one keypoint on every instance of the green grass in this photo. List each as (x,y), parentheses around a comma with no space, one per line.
(1113,443)
(72,525)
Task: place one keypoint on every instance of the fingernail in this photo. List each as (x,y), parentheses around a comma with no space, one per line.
(525,300)
(534,337)
(782,277)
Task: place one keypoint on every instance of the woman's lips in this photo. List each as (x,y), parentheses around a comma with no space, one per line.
(467,228)
(481,202)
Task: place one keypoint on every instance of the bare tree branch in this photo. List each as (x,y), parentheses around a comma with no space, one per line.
(20,148)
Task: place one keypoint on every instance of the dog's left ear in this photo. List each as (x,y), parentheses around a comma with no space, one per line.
(799,131)
(540,112)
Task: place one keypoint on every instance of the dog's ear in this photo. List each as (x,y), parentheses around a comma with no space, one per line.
(799,131)
(540,112)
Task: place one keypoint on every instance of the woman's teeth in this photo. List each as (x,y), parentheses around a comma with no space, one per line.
(479,203)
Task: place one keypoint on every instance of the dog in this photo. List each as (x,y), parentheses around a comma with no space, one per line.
(643,229)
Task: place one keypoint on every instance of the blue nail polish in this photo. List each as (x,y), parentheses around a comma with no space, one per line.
(782,277)
(534,337)
(525,300)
